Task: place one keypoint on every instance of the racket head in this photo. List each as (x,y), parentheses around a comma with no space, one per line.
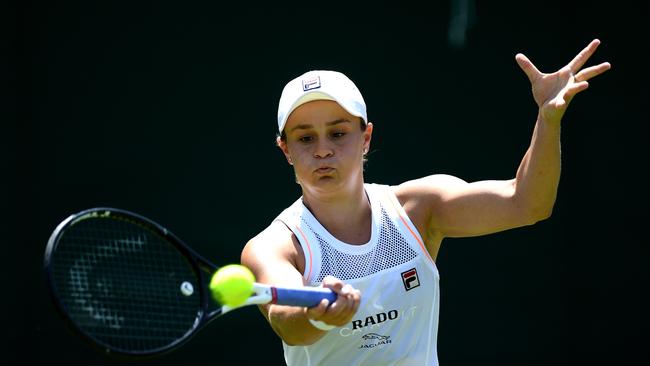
(127,284)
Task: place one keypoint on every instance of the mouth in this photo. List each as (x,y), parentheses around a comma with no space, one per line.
(324,170)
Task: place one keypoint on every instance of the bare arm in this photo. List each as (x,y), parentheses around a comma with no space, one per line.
(445,206)
(275,257)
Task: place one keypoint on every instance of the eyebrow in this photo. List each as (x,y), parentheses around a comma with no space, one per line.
(306,126)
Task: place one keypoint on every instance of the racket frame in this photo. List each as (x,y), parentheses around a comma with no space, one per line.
(208,310)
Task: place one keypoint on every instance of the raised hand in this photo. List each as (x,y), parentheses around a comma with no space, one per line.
(553,92)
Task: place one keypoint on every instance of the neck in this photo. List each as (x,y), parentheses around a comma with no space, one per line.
(347,217)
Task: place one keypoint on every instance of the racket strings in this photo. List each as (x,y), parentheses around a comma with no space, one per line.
(121,283)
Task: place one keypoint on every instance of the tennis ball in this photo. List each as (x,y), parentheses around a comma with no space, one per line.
(231,285)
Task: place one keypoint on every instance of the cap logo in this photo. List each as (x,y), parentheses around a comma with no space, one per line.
(312,83)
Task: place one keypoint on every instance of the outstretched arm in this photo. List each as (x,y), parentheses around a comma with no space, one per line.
(275,257)
(445,206)
(539,172)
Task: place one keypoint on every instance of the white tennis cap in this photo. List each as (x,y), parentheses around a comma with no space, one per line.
(320,85)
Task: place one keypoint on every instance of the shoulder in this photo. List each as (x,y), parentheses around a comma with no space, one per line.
(426,200)
(273,239)
(432,188)
(275,245)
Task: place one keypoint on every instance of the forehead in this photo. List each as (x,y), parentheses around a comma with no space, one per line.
(318,112)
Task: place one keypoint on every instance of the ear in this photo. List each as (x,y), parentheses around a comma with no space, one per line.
(284,148)
(367,137)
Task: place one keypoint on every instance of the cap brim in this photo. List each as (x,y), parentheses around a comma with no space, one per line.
(316,95)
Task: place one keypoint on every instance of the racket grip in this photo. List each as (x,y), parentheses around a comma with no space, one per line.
(305,296)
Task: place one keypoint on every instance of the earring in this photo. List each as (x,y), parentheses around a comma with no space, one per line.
(289,160)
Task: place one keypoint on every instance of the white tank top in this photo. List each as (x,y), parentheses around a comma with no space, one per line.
(397,320)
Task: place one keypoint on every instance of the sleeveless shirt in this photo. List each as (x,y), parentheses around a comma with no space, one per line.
(397,320)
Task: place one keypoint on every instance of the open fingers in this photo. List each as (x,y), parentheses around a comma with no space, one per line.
(574,89)
(576,64)
(592,71)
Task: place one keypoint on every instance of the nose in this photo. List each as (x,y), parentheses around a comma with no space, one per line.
(323,149)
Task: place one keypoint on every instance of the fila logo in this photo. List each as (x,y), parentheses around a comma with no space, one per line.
(410,279)
(309,84)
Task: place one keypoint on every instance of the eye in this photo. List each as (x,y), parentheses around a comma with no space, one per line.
(338,134)
(305,139)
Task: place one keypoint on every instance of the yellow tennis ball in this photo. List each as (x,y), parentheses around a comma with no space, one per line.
(232,284)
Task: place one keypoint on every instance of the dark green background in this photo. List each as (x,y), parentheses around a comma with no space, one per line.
(168,109)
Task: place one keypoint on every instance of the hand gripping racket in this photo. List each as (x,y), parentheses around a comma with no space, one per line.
(133,288)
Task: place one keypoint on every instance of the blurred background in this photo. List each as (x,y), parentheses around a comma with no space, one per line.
(169,109)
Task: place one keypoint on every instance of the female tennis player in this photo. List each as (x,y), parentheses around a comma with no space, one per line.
(375,245)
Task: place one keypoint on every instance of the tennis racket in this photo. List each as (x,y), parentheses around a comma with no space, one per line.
(132,288)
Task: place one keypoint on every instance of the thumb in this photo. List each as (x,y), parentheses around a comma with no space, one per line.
(527,66)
